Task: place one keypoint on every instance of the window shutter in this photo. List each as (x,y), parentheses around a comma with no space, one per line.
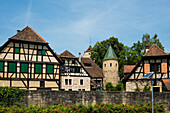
(43,52)
(1,66)
(147,68)
(163,67)
(24,67)
(16,50)
(12,67)
(50,69)
(38,68)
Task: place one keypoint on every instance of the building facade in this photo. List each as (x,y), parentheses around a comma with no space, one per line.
(154,60)
(73,76)
(27,61)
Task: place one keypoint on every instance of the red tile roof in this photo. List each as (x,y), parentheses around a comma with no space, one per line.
(67,54)
(94,70)
(28,34)
(128,68)
(154,50)
(167,84)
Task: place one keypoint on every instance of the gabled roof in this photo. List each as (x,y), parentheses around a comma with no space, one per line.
(89,49)
(128,68)
(110,54)
(67,54)
(154,50)
(167,83)
(94,70)
(28,34)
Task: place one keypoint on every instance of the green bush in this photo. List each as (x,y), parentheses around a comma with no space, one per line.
(10,96)
(98,108)
(137,89)
(147,89)
(118,87)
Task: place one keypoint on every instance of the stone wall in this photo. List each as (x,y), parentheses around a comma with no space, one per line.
(93,97)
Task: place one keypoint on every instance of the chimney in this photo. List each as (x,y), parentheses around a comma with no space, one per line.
(147,48)
(79,57)
(18,31)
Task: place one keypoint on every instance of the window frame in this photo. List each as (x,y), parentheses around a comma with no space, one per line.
(66,82)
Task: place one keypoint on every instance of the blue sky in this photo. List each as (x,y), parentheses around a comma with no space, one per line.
(68,24)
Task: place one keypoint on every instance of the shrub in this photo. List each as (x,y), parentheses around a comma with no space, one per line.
(98,108)
(147,89)
(10,96)
(118,87)
(137,89)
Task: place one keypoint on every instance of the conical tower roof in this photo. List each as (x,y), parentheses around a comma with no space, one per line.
(110,54)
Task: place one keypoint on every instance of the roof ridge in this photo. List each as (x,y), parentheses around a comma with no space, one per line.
(64,54)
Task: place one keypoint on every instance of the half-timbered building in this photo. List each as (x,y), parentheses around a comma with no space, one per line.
(27,61)
(154,60)
(74,77)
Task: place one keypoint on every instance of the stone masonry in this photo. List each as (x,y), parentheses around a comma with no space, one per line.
(93,97)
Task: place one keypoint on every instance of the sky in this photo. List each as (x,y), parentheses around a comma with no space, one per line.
(68,24)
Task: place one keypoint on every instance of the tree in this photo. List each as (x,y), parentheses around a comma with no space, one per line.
(100,48)
(148,42)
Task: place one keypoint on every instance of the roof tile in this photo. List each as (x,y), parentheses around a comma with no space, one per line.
(28,34)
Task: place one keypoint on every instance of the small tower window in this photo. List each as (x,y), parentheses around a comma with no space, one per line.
(110,64)
(116,64)
(81,82)
(104,65)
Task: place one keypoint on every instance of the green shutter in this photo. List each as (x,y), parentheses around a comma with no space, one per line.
(16,50)
(43,52)
(24,67)
(50,69)
(1,66)
(38,68)
(12,67)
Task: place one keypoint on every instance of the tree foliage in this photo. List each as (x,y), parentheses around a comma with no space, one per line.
(118,87)
(126,55)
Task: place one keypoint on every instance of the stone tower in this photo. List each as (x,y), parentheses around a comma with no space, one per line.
(110,67)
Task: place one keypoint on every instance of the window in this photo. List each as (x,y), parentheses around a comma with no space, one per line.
(1,66)
(79,89)
(50,69)
(116,64)
(66,81)
(39,52)
(87,64)
(81,82)
(12,67)
(16,50)
(72,69)
(110,64)
(156,67)
(104,65)
(73,61)
(38,68)
(24,67)
(70,81)
(43,52)
(77,70)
